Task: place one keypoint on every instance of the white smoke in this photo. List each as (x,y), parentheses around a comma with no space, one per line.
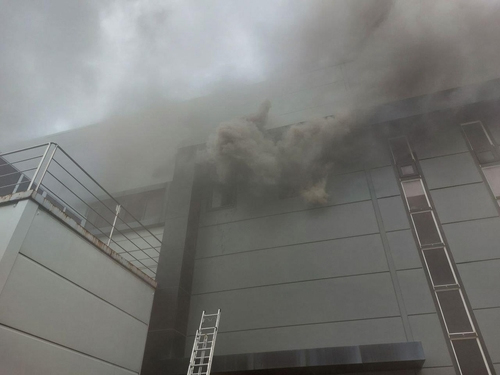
(299,160)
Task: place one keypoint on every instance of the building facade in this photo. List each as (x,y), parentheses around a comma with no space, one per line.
(397,274)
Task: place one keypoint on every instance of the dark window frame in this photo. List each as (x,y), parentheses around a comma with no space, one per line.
(479,152)
(430,269)
(448,321)
(231,201)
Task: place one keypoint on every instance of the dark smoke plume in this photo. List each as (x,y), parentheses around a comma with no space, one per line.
(389,50)
(298,161)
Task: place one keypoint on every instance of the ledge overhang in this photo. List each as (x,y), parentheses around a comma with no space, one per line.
(336,360)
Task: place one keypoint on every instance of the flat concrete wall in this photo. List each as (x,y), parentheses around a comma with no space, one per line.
(66,307)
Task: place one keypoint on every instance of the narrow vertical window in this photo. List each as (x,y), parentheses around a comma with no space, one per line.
(480,142)
(415,195)
(222,196)
(454,312)
(447,291)
(439,267)
(493,177)
(470,357)
(426,229)
(403,157)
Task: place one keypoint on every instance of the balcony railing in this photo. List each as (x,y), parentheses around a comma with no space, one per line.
(56,181)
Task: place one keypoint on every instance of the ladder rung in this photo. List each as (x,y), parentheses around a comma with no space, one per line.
(204,342)
(207,328)
(210,315)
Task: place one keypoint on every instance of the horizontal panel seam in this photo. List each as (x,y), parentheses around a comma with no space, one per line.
(477,261)
(386,317)
(82,288)
(486,308)
(292,282)
(288,245)
(457,185)
(443,156)
(444,224)
(65,347)
(423,313)
(285,213)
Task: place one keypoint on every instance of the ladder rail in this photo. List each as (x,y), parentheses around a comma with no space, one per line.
(209,368)
(206,351)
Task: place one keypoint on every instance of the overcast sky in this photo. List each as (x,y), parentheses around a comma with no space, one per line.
(68,63)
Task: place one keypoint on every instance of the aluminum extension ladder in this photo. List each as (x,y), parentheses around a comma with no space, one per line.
(204,344)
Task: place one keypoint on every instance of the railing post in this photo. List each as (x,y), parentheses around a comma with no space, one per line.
(46,166)
(118,207)
(39,166)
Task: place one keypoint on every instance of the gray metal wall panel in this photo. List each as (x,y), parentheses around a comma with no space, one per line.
(345,188)
(25,354)
(450,171)
(384,182)
(361,332)
(403,249)
(462,203)
(15,221)
(474,240)
(443,139)
(342,257)
(52,244)
(287,229)
(344,298)
(482,283)
(489,324)
(41,303)
(427,328)
(393,213)
(416,293)
(437,371)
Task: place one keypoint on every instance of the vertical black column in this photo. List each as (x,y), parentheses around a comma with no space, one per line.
(167,329)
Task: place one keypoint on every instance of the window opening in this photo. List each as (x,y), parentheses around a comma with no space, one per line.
(439,267)
(455,314)
(470,357)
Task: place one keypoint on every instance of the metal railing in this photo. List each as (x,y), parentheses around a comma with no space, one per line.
(55,180)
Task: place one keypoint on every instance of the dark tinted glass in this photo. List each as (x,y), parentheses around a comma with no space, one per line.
(401,150)
(439,267)
(454,311)
(408,170)
(426,228)
(222,196)
(486,156)
(477,137)
(469,357)
(493,176)
(415,195)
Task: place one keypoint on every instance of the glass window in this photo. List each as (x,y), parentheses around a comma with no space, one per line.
(453,308)
(439,267)
(485,157)
(415,195)
(477,136)
(469,357)
(493,176)
(480,142)
(401,150)
(408,170)
(426,228)
(222,196)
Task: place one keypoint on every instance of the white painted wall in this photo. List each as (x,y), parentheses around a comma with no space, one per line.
(65,306)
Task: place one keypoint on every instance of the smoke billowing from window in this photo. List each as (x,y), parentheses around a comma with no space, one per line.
(389,50)
(298,160)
